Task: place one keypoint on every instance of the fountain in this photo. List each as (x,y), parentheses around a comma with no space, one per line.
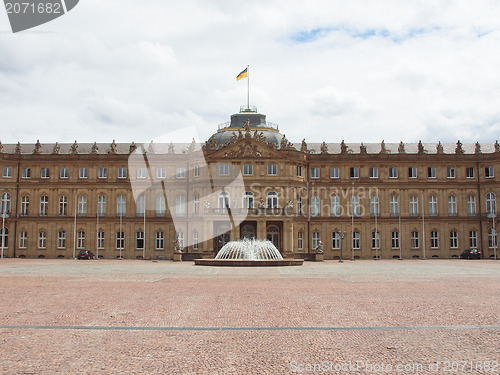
(249,253)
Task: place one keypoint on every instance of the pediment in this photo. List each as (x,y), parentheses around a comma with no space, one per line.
(247,148)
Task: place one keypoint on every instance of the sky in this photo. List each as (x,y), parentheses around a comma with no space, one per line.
(359,71)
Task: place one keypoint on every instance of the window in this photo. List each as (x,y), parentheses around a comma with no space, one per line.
(84,173)
(315,240)
(450,173)
(45,173)
(121,205)
(180,173)
(139,240)
(223,200)
(4,237)
(64,173)
(395,239)
(161,173)
(414,240)
(103,173)
(160,240)
(315,173)
(197,171)
(412,172)
(452,205)
(434,239)
(180,205)
(413,205)
(7,172)
(453,239)
(471,205)
(300,240)
(61,239)
(355,207)
(82,205)
(354,172)
(80,240)
(433,206)
(491,204)
(315,206)
(25,203)
(23,239)
(394,205)
(63,205)
(356,240)
(489,172)
(120,240)
(196,206)
(334,173)
(375,240)
(335,203)
(248,199)
(300,206)
(247,169)
(26,173)
(42,239)
(300,171)
(141,173)
(335,240)
(431,172)
(374,206)
(492,238)
(224,169)
(393,172)
(5,205)
(195,240)
(44,205)
(272,199)
(473,239)
(140,205)
(160,206)
(272,169)
(373,172)
(469,172)
(101,205)
(122,173)
(100,239)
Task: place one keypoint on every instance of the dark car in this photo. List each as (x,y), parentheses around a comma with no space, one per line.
(85,254)
(471,254)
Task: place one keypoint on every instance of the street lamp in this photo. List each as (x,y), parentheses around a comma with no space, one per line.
(342,236)
(4,208)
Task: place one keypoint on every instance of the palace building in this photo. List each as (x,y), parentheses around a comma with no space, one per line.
(359,200)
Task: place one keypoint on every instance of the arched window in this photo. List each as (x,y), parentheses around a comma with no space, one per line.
(44,205)
(452,205)
(272,199)
(414,206)
(248,199)
(471,205)
(374,206)
(5,206)
(82,205)
(25,203)
(491,204)
(433,206)
(101,205)
(224,200)
(394,205)
(121,205)
(63,205)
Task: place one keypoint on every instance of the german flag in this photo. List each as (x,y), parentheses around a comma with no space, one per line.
(243,74)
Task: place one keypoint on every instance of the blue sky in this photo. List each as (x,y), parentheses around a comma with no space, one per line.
(361,71)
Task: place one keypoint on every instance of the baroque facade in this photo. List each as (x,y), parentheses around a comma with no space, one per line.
(361,200)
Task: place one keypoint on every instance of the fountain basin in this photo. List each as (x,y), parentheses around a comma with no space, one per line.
(248,263)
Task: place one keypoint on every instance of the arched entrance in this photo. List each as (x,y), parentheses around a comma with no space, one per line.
(224,237)
(273,235)
(248,231)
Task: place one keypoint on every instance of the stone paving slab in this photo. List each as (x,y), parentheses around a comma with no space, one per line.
(133,317)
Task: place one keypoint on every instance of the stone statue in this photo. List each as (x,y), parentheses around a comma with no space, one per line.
(478,148)
(421,149)
(459,149)
(319,248)
(303,147)
(37,148)
(343,147)
(439,148)
(497,146)
(1,147)
(151,148)
(18,148)
(56,149)
(383,149)
(401,148)
(324,148)
(192,146)
(171,148)
(113,147)
(177,246)
(95,148)
(132,147)
(74,148)
(362,148)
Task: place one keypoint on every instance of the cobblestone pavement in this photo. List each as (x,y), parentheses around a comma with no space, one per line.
(143,317)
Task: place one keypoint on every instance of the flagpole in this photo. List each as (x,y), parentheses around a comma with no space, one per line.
(248,87)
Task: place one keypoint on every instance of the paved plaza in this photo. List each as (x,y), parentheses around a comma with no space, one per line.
(143,317)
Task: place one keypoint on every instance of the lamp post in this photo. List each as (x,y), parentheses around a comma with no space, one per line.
(4,208)
(342,236)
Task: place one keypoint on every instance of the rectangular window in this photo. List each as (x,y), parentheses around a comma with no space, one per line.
(395,240)
(433,206)
(197,171)
(469,172)
(471,205)
(334,173)
(196,208)
(300,172)
(374,206)
(373,172)
(315,206)
(473,239)
(195,240)
(23,239)
(141,173)
(315,173)
(45,173)
(492,238)
(120,240)
(139,240)
(64,173)
(247,169)
(25,203)
(452,205)
(489,172)
(44,205)
(454,239)
(160,240)
(180,173)
(434,240)
(335,240)
(354,172)
(414,240)
(42,239)
(7,172)
(413,205)
(122,173)
(63,205)
(224,169)
(80,240)
(355,206)
(450,173)
(101,205)
(375,240)
(180,206)
(26,173)
(100,240)
(356,240)
(82,205)
(431,172)
(84,173)
(103,173)
(61,239)
(121,205)
(393,172)
(161,173)
(272,170)
(300,240)
(412,172)
(335,203)
(394,205)
(315,240)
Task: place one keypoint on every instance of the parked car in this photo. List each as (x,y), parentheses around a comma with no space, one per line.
(85,254)
(471,254)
